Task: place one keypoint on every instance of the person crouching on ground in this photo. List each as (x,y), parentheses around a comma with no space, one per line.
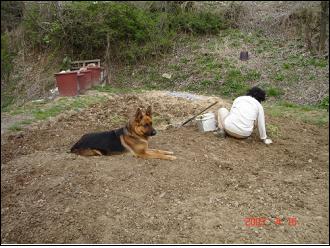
(245,114)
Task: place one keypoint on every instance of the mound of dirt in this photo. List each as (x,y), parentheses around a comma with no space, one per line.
(51,196)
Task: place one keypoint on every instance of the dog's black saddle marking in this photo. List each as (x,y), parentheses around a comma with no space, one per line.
(106,142)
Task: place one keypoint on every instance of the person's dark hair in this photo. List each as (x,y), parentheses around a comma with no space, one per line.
(257,93)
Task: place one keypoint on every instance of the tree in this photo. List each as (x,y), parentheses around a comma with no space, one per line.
(323,25)
(11,14)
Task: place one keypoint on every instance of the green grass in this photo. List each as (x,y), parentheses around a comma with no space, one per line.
(184,61)
(43,114)
(273,131)
(6,101)
(175,67)
(45,110)
(252,75)
(15,127)
(297,60)
(235,83)
(274,91)
(117,90)
(279,77)
(311,114)
(117,119)
(18,126)
(324,104)
(209,63)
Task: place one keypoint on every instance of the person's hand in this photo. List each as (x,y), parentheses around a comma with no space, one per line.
(267,141)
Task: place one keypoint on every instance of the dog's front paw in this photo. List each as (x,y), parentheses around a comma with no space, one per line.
(171,157)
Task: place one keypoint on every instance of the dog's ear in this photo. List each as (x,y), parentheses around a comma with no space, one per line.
(148,112)
(138,115)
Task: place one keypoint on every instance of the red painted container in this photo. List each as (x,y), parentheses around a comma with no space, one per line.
(81,85)
(87,79)
(96,75)
(67,83)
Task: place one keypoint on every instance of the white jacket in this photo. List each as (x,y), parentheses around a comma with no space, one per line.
(244,112)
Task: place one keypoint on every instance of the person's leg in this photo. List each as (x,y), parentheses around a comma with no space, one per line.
(235,135)
(222,114)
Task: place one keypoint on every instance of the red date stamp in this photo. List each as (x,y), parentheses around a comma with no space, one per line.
(261,221)
(255,221)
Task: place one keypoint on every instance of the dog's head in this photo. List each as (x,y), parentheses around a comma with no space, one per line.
(142,123)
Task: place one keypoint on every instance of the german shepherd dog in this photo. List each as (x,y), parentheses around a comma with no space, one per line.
(131,138)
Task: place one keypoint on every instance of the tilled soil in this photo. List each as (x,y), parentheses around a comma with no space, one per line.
(51,196)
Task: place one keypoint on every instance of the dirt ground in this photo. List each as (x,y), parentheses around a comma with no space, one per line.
(51,196)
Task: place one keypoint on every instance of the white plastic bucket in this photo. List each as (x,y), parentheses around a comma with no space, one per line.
(206,122)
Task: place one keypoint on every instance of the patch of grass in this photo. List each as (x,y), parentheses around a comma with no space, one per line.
(324,104)
(236,82)
(156,119)
(42,111)
(206,83)
(312,77)
(43,114)
(253,75)
(303,61)
(18,126)
(18,111)
(117,119)
(287,66)
(274,91)
(279,77)
(175,67)
(311,114)
(317,62)
(6,101)
(27,122)
(116,90)
(181,76)
(15,127)
(218,77)
(184,61)
(231,33)
(292,78)
(209,63)
(273,130)
(263,45)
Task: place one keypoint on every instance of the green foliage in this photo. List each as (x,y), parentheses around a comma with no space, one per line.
(324,104)
(198,23)
(209,63)
(6,57)
(6,100)
(85,28)
(301,61)
(307,113)
(66,63)
(11,14)
(236,82)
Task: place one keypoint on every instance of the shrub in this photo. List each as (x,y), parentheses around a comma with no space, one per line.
(198,23)
(84,28)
